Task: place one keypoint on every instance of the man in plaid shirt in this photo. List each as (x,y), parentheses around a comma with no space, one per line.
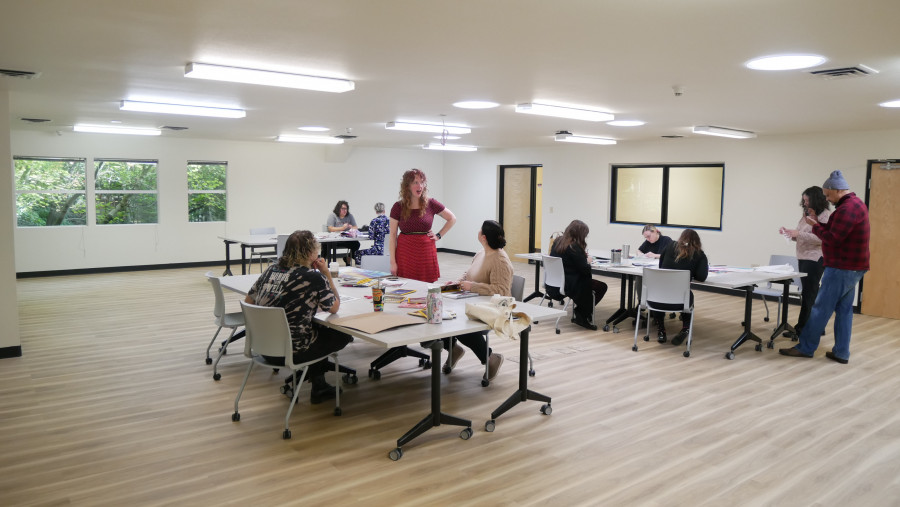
(845,246)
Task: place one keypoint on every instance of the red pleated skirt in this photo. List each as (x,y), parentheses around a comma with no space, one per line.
(417,258)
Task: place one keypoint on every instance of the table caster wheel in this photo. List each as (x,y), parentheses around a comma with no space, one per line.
(217,376)
(350,379)
(465,434)
(647,338)
(531,372)
(729,355)
(235,417)
(557,331)
(766,319)
(546,409)
(770,345)
(634,348)
(605,328)
(375,374)
(446,369)
(286,435)
(485,382)
(758,347)
(337,411)
(208,360)
(489,426)
(395,454)
(615,329)
(686,353)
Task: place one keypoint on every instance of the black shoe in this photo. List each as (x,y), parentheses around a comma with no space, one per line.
(830,355)
(585,323)
(321,393)
(679,338)
(661,336)
(793,352)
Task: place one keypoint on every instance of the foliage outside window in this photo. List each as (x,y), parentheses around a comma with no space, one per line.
(676,195)
(206,191)
(125,191)
(50,191)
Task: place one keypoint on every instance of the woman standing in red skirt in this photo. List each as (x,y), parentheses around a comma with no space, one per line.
(413,251)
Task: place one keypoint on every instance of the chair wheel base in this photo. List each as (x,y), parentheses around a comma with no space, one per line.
(235,417)
(286,435)
(208,360)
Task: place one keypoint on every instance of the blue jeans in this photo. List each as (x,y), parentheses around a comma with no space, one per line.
(835,296)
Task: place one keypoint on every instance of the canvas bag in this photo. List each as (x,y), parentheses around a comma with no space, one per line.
(499,315)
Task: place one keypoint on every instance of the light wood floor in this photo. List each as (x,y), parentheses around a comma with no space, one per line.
(112,404)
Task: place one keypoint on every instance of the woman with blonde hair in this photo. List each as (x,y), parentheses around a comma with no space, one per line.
(412,246)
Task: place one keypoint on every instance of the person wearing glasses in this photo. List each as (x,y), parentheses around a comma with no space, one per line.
(654,242)
(341,220)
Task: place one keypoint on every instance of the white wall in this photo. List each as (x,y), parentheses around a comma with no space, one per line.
(290,186)
(9,313)
(764,178)
(296,186)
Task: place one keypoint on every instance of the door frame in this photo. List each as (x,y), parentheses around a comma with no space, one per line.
(531,199)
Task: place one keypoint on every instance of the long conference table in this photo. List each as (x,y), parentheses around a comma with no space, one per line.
(631,271)
(355,303)
(330,242)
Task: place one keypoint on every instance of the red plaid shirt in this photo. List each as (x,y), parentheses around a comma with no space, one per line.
(845,238)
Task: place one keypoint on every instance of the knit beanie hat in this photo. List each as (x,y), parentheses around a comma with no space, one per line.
(836,181)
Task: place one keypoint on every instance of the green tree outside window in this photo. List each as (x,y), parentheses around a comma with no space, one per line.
(207,191)
(50,191)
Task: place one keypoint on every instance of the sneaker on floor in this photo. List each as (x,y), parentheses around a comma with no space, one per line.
(454,357)
(321,393)
(661,335)
(494,363)
(679,338)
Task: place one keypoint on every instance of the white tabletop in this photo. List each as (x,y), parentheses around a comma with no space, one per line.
(253,239)
(406,335)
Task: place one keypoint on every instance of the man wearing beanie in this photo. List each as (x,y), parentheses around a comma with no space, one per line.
(845,247)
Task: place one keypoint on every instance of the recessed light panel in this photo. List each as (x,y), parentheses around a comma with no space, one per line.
(475,104)
(785,62)
(625,123)
(890,103)
(313,128)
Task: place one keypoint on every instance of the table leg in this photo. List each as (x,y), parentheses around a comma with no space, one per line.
(537,283)
(228,257)
(616,314)
(436,417)
(784,327)
(523,393)
(243,259)
(747,334)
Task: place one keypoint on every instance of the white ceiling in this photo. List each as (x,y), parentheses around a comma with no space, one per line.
(411,59)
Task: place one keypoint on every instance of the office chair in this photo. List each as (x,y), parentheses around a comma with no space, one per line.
(376,263)
(232,320)
(260,252)
(665,290)
(280,243)
(776,289)
(269,335)
(554,284)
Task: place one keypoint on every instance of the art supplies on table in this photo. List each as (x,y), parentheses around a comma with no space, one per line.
(399,292)
(461,295)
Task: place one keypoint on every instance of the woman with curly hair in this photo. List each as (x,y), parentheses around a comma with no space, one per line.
(412,246)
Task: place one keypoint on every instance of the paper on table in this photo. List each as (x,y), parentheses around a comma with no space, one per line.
(778,268)
(376,322)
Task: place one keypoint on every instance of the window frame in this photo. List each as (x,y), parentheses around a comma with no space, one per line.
(57,191)
(97,192)
(664,211)
(191,192)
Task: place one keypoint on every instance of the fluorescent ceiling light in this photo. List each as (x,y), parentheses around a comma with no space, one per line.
(785,62)
(266,77)
(625,123)
(452,138)
(311,139)
(156,107)
(312,128)
(449,147)
(724,132)
(890,103)
(572,138)
(575,113)
(105,129)
(475,104)
(427,127)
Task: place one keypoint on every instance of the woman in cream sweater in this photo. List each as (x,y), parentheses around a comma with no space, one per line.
(491,273)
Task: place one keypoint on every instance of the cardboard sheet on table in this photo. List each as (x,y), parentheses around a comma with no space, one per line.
(376,322)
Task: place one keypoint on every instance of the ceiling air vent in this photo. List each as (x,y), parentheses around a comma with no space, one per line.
(844,72)
(169,127)
(345,136)
(35,120)
(22,74)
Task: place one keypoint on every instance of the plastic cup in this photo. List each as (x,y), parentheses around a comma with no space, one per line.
(378,298)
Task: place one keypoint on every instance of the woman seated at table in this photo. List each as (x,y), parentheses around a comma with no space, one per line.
(379,228)
(580,285)
(301,284)
(491,273)
(341,220)
(686,254)
(654,243)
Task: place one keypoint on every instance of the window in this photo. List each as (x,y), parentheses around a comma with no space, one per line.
(676,195)
(125,191)
(50,191)
(206,191)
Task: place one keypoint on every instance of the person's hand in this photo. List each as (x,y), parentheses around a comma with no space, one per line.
(346,226)
(431,236)
(393,267)
(465,285)
(321,265)
(811,218)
